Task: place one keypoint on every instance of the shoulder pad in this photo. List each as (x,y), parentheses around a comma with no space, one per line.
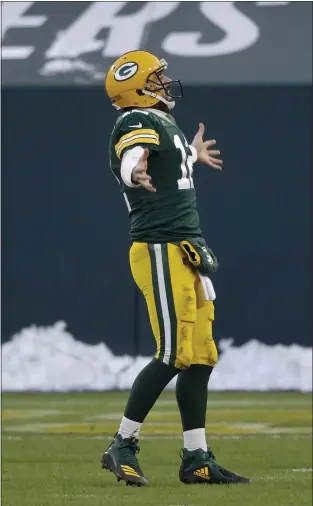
(136,127)
(137,119)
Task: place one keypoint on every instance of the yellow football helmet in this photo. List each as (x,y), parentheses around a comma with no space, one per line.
(134,81)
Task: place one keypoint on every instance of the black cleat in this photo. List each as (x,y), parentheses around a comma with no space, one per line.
(199,466)
(120,458)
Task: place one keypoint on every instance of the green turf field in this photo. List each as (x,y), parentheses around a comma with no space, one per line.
(52,445)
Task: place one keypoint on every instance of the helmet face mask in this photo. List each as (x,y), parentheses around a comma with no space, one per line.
(137,79)
(167,86)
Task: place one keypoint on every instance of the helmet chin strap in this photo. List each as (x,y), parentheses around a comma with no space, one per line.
(169,104)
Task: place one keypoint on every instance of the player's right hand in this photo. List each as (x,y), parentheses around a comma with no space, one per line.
(139,174)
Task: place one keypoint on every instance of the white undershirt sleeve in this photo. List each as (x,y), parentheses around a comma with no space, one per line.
(129,162)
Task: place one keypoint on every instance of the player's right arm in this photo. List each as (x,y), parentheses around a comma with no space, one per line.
(137,136)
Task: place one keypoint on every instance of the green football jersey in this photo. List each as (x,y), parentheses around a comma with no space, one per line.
(170,214)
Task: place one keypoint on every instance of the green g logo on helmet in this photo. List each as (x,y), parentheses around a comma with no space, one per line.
(126,71)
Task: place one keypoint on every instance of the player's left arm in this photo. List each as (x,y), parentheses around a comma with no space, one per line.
(202,152)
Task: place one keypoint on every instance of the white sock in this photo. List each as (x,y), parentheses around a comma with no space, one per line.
(129,428)
(194,439)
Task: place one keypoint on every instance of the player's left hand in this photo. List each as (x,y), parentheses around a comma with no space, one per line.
(205,154)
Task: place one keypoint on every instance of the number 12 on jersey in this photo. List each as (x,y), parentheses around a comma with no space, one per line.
(186,181)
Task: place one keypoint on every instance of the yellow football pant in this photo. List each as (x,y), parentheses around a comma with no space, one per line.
(180,317)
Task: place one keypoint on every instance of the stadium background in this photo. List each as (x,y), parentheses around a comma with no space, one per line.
(64,223)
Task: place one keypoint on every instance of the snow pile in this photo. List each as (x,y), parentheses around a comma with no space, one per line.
(50,358)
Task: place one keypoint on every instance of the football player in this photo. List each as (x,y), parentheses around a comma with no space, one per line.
(169,259)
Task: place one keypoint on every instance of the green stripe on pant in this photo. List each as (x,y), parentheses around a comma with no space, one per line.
(170,303)
(157,300)
(164,302)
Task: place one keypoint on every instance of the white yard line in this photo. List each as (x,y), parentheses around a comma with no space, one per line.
(283,476)
(302,470)
(60,404)
(258,428)
(14,413)
(234,403)
(71,496)
(155,437)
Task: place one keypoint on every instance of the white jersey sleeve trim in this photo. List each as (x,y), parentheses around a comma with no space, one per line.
(194,154)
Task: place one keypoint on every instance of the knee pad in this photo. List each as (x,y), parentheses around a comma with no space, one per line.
(184,346)
(185,327)
(210,310)
(204,348)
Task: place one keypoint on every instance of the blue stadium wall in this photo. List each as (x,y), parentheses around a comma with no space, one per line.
(65,227)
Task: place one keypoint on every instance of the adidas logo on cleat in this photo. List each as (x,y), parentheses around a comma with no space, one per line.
(129,471)
(203,473)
